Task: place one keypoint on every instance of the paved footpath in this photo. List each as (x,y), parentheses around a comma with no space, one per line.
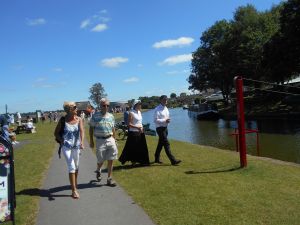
(98,203)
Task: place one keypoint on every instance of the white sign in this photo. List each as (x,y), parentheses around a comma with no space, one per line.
(3,187)
(4,205)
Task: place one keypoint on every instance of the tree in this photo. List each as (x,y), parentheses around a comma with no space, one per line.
(251,31)
(282,52)
(232,48)
(172,95)
(211,63)
(97,92)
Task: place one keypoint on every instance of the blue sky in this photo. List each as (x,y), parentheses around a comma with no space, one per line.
(53,51)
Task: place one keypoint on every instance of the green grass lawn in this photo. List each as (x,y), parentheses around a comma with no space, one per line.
(208,187)
(32,159)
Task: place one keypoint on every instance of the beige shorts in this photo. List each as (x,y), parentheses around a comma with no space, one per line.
(106,149)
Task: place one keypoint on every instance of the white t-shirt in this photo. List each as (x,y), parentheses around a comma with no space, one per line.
(137,120)
(161,113)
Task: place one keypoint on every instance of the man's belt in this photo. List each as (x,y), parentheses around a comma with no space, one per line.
(103,137)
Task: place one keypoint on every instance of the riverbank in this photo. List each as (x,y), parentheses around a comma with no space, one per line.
(208,187)
(269,106)
(230,115)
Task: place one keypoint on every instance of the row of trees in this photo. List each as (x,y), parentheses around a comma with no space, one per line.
(257,45)
(97,92)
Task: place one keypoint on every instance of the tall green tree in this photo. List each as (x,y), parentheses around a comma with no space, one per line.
(232,48)
(97,92)
(172,95)
(282,52)
(251,30)
(210,62)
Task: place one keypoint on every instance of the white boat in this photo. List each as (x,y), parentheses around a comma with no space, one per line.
(204,111)
(185,107)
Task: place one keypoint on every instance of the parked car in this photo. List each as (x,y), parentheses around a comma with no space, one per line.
(215,97)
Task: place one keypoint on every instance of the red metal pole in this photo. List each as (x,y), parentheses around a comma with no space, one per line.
(241,120)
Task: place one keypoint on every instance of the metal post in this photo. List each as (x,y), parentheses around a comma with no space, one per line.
(241,120)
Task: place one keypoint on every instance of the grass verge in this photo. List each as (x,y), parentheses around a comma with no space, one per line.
(32,158)
(208,187)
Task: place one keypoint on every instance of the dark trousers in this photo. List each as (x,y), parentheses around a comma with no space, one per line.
(163,142)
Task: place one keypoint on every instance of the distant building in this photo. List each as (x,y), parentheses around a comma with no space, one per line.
(119,106)
(84,106)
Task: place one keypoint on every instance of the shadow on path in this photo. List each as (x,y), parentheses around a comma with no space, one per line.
(49,193)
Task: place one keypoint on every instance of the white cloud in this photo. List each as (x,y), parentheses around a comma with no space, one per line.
(18,67)
(180,42)
(176,59)
(100,27)
(85,23)
(177,72)
(131,80)
(41,79)
(42,82)
(44,85)
(113,62)
(96,22)
(36,22)
(57,69)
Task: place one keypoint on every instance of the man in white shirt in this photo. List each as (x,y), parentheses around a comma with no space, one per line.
(161,120)
(19,118)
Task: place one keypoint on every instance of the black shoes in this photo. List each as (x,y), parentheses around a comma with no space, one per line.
(98,176)
(111,182)
(158,161)
(176,162)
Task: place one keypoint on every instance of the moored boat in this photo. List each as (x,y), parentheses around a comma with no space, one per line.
(185,107)
(204,111)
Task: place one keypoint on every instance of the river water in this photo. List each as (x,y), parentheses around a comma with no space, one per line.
(278,139)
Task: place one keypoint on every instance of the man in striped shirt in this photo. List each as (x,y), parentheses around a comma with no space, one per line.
(102,128)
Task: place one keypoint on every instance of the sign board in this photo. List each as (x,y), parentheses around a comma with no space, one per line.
(6,184)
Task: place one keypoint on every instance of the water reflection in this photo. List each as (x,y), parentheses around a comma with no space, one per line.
(277,139)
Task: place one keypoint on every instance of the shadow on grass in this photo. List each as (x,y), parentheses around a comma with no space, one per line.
(50,193)
(216,170)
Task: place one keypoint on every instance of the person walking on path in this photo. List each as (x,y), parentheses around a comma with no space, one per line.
(126,116)
(19,118)
(161,120)
(71,140)
(135,149)
(102,127)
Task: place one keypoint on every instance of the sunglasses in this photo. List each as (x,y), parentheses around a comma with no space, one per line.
(104,105)
(73,108)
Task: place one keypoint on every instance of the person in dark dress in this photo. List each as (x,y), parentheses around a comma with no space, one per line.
(135,149)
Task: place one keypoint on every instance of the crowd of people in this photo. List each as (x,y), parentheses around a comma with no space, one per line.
(69,133)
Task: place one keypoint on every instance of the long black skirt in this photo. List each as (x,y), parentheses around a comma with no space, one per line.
(135,149)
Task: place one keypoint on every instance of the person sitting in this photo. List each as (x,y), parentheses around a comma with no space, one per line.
(29,125)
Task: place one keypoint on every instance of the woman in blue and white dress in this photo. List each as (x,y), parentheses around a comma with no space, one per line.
(135,149)
(71,141)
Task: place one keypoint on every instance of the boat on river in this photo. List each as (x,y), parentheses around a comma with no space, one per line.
(185,107)
(148,131)
(204,111)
